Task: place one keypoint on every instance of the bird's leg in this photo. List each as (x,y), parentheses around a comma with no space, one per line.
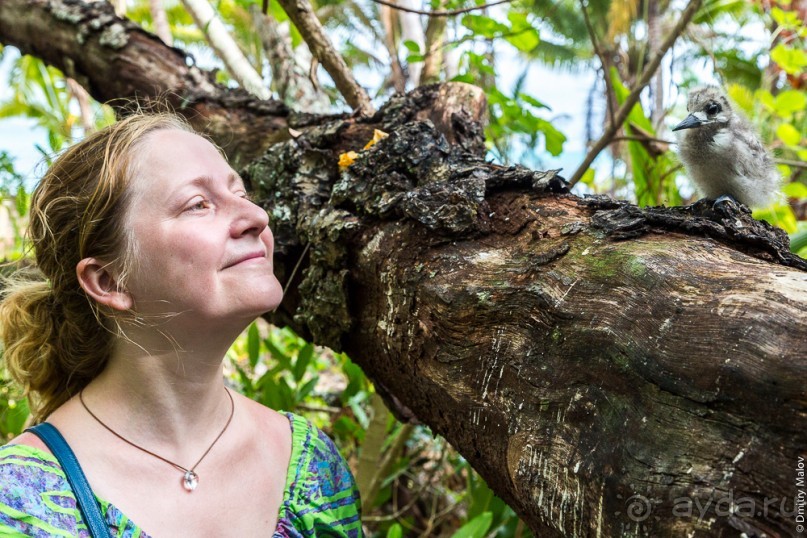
(723,200)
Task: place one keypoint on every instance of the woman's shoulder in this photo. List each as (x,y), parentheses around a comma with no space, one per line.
(313,451)
(35,497)
(321,492)
(24,465)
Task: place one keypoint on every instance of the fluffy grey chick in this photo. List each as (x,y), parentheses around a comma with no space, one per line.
(722,153)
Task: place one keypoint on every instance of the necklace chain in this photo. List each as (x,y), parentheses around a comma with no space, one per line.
(190,478)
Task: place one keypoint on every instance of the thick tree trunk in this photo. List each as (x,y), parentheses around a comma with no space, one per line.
(610,371)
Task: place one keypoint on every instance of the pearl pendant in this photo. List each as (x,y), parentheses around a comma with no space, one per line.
(190,481)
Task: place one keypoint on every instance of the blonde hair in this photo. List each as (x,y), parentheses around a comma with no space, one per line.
(56,338)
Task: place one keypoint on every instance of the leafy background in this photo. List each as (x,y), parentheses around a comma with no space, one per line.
(412,482)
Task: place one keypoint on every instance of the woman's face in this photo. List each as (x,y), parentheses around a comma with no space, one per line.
(203,249)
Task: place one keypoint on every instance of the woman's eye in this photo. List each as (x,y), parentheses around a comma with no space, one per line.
(198,205)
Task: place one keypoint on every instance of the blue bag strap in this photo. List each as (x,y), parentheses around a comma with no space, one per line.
(90,510)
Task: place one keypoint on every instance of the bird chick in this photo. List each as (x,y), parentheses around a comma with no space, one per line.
(722,153)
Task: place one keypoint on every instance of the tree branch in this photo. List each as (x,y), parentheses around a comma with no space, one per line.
(640,139)
(84,107)
(117,62)
(569,401)
(788,162)
(289,78)
(633,98)
(226,48)
(440,12)
(160,18)
(301,14)
(388,23)
(606,65)
(433,57)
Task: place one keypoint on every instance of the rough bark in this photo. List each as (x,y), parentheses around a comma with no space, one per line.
(591,359)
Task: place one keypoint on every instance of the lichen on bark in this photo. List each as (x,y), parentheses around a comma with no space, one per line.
(414,174)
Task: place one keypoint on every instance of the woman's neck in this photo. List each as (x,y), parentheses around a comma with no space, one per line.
(171,395)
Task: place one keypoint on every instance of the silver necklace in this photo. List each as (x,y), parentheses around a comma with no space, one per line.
(190,479)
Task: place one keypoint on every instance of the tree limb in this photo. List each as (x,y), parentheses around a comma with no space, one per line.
(84,107)
(633,97)
(303,17)
(585,355)
(433,55)
(118,63)
(389,23)
(161,27)
(610,94)
(788,162)
(640,138)
(288,77)
(226,48)
(440,12)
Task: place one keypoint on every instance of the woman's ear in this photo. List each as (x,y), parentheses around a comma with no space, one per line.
(100,284)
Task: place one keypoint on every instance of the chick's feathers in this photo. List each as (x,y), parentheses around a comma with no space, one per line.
(722,153)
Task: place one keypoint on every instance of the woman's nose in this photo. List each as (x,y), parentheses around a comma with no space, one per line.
(249,218)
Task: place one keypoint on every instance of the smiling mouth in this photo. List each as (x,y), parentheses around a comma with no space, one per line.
(250,258)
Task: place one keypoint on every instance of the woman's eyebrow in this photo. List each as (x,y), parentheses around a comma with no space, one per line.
(233,179)
(236,179)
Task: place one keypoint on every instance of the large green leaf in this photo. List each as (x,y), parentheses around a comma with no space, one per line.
(792,60)
(523,35)
(476,528)
(484,26)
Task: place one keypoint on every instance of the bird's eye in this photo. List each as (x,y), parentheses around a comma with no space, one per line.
(713,108)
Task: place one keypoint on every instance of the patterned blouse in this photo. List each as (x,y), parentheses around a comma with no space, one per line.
(320,497)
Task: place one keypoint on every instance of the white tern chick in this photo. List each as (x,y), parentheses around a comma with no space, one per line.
(722,153)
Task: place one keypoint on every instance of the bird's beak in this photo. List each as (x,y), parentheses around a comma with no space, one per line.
(688,123)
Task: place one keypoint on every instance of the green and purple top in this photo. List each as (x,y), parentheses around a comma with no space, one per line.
(320,497)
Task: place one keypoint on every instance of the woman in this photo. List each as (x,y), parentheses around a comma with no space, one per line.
(153,260)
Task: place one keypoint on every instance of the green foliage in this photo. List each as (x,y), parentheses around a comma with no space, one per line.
(476,528)
(14,201)
(288,381)
(13,410)
(653,174)
(514,115)
(798,240)
(40,93)
(276,367)
(523,35)
(792,61)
